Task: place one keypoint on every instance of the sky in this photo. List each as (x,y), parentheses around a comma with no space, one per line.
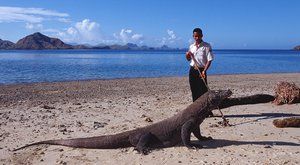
(230,24)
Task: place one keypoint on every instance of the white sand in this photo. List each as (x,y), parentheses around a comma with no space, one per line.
(121,105)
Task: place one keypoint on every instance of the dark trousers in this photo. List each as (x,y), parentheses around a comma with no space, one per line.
(197,85)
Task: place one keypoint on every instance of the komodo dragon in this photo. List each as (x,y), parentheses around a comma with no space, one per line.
(166,133)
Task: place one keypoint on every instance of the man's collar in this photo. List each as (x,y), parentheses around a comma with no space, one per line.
(201,43)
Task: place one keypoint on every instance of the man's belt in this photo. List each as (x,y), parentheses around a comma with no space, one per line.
(197,67)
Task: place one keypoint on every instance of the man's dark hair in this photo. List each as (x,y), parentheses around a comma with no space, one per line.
(198,30)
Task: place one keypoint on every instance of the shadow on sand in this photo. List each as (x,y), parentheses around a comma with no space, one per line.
(265,115)
(217,143)
(262,116)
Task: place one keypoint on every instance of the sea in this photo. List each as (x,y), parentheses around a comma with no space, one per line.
(28,66)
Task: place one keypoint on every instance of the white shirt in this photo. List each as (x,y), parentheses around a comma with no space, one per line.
(202,54)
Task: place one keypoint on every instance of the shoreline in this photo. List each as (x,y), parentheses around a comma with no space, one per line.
(130,78)
(172,49)
(103,107)
(56,92)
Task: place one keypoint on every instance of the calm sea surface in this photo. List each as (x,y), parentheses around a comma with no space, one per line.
(65,65)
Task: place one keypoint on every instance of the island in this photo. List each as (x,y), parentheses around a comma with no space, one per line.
(39,41)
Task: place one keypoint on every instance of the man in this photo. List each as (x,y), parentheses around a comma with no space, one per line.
(200,56)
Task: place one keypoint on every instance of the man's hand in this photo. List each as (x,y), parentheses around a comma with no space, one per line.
(203,74)
(188,55)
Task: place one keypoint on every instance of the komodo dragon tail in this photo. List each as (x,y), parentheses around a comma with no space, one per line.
(98,142)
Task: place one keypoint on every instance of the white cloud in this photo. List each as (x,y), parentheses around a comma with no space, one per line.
(137,36)
(72,31)
(64,20)
(32,26)
(31,15)
(172,40)
(171,34)
(89,32)
(87,28)
(127,36)
(83,32)
(50,30)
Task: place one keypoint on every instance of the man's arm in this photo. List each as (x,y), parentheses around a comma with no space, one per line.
(188,55)
(207,65)
(210,57)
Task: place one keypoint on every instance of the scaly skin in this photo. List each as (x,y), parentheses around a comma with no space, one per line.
(168,132)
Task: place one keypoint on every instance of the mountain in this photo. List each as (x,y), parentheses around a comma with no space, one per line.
(297,48)
(132,46)
(6,44)
(164,47)
(38,41)
(128,46)
(80,47)
(100,47)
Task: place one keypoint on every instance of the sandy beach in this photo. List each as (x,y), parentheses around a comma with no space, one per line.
(60,110)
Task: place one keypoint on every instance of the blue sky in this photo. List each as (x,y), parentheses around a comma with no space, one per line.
(230,24)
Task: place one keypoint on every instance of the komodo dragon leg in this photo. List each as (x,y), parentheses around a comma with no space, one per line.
(146,141)
(186,131)
(197,133)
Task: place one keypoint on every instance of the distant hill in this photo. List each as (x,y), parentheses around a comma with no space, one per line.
(38,41)
(128,46)
(131,46)
(297,48)
(6,44)
(80,47)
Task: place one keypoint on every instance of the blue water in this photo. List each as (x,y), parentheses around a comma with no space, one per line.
(65,65)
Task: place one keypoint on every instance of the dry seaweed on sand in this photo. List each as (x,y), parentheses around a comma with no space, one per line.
(286,93)
(287,122)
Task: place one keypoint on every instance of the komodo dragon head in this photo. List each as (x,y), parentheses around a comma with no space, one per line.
(215,97)
(209,101)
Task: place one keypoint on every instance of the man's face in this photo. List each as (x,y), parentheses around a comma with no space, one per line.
(197,36)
